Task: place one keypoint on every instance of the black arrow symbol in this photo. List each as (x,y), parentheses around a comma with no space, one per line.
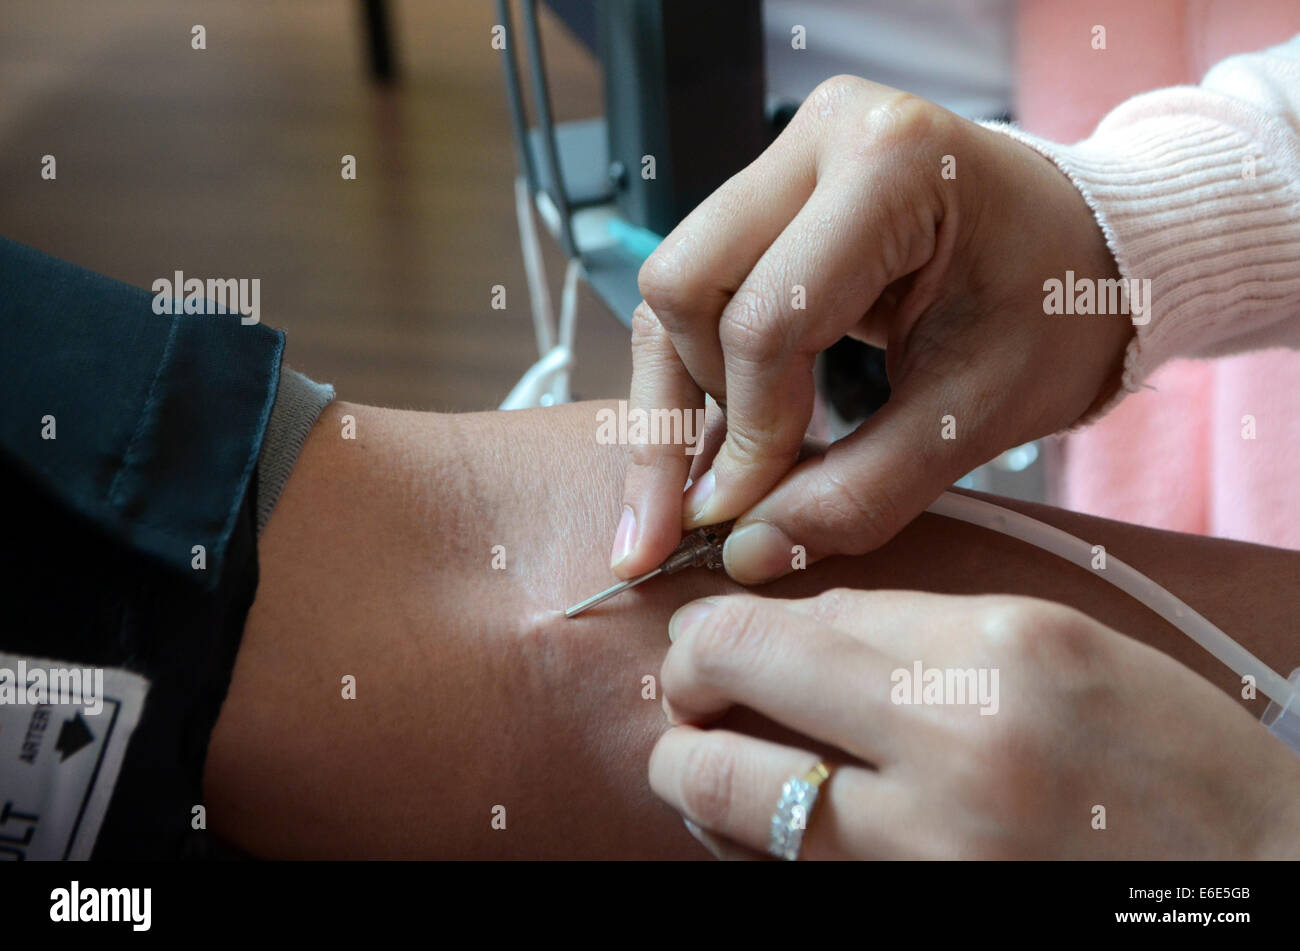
(74,736)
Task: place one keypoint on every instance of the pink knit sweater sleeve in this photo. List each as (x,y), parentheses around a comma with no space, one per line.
(1197,189)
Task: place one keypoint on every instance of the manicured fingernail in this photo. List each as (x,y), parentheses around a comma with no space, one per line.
(625,538)
(701,838)
(698,497)
(758,552)
(689,617)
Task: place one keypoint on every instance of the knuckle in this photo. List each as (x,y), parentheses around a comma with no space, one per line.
(1004,625)
(664,282)
(834,603)
(903,120)
(655,457)
(729,641)
(825,99)
(752,328)
(744,449)
(1034,630)
(858,519)
(840,85)
(1068,638)
(652,350)
(646,328)
(708,782)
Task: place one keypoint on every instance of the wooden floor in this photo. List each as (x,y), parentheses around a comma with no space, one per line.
(225,163)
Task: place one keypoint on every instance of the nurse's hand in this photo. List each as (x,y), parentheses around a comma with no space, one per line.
(884,217)
(1093,745)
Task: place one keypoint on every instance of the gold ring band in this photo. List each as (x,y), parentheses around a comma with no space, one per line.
(793,810)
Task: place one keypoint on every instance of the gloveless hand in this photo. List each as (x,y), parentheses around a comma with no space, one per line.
(881,216)
(1088,745)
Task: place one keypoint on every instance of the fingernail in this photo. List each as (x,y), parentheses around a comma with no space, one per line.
(698,497)
(625,538)
(689,617)
(701,838)
(756,553)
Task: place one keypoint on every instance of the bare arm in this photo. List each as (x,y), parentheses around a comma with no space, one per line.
(473,691)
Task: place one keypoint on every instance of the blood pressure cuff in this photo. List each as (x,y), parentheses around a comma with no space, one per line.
(129,445)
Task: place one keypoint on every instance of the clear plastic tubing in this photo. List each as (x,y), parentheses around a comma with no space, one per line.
(964,508)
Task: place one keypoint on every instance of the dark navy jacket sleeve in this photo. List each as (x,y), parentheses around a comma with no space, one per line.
(157,419)
(157,422)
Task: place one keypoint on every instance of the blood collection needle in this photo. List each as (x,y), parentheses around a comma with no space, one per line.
(701,548)
(608,593)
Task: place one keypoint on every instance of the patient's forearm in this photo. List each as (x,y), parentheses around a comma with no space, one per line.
(473,691)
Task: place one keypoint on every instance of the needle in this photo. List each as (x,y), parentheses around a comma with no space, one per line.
(608,593)
(702,548)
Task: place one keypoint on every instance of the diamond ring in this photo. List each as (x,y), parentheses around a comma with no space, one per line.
(798,796)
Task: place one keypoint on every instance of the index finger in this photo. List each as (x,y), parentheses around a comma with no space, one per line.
(651,523)
(686,284)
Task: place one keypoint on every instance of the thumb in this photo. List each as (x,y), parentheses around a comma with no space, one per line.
(859,494)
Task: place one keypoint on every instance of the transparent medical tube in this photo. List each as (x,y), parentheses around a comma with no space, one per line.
(1280,718)
(1283,719)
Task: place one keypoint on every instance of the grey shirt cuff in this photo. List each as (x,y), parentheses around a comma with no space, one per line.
(298,402)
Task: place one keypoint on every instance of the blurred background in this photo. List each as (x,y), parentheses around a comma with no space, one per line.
(226,161)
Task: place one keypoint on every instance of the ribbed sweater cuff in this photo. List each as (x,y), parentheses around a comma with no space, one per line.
(298,403)
(1195,193)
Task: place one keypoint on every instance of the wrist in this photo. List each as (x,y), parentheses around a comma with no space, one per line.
(1070,287)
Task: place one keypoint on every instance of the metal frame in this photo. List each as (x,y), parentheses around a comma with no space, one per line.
(545,124)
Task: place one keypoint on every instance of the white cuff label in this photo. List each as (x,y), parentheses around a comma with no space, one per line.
(64,730)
